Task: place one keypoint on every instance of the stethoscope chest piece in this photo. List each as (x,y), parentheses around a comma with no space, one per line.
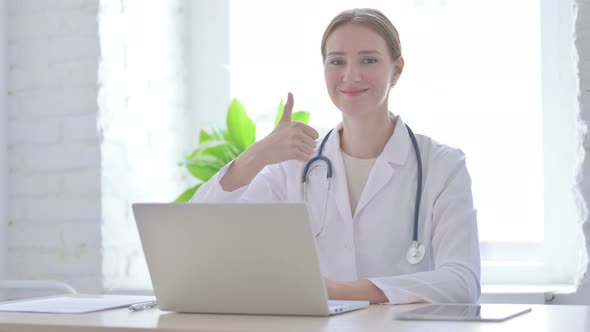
(415,253)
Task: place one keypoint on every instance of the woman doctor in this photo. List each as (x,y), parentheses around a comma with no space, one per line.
(363,217)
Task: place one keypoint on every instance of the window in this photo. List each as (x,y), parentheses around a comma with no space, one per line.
(494,78)
(481,75)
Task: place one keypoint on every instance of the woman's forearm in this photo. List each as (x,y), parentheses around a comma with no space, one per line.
(355,290)
(242,171)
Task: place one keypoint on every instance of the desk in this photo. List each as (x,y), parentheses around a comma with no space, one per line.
(375,318)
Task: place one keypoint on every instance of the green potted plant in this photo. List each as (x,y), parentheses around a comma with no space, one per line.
(217,147)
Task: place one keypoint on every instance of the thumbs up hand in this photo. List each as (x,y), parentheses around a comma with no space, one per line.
(289,140)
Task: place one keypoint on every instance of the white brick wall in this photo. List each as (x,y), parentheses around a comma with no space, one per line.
(54,153)
(144,120)
(74,172)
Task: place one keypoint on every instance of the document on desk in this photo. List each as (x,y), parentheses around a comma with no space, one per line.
(74,304)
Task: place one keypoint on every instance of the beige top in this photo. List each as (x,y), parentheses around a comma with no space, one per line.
(357,172)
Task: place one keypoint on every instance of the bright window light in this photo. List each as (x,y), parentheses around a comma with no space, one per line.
(472,80)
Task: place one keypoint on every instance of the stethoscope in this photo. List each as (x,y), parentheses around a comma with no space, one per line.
(416,251)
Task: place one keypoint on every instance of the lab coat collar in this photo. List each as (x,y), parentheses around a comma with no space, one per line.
(397,148)
(395,152)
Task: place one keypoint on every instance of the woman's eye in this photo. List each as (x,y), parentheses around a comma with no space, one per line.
(369,60)
(336,62)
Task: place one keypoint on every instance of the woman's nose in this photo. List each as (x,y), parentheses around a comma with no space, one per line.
(352,73)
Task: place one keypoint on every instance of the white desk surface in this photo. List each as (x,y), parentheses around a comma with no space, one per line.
(375,318)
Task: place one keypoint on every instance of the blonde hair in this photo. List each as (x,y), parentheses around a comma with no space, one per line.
(372,18)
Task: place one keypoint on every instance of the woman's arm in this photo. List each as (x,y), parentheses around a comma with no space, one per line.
(355,290)
(242,170)
(269,185)
(288,141)
(455,248)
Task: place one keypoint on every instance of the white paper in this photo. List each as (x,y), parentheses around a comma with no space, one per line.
(74,304)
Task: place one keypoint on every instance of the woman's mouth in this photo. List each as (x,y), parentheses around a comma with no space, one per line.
(353,92)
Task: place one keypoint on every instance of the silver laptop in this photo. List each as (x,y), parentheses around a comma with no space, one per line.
(234,258)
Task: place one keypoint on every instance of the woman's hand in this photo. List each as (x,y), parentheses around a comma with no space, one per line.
(288,141)
(362,289)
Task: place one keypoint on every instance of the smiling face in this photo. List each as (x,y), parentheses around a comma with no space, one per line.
(359,69)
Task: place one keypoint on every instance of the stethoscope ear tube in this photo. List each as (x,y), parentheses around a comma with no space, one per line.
(416,251)
(418,185)
(319,156)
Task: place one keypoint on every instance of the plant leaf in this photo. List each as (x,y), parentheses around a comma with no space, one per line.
(301,117)
(235,150)
(214,135)
(224,135)
(201,171)
(222,150)
(206,157)
(187,194)
(241,128)
(204,136)
(203,166)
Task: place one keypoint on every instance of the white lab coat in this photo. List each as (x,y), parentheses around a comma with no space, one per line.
(373,243)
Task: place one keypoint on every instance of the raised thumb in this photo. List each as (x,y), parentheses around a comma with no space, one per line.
(288,109)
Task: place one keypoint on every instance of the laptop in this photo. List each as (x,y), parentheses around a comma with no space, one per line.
(234,258)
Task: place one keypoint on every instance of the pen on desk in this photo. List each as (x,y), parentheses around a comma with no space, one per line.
(143,305)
